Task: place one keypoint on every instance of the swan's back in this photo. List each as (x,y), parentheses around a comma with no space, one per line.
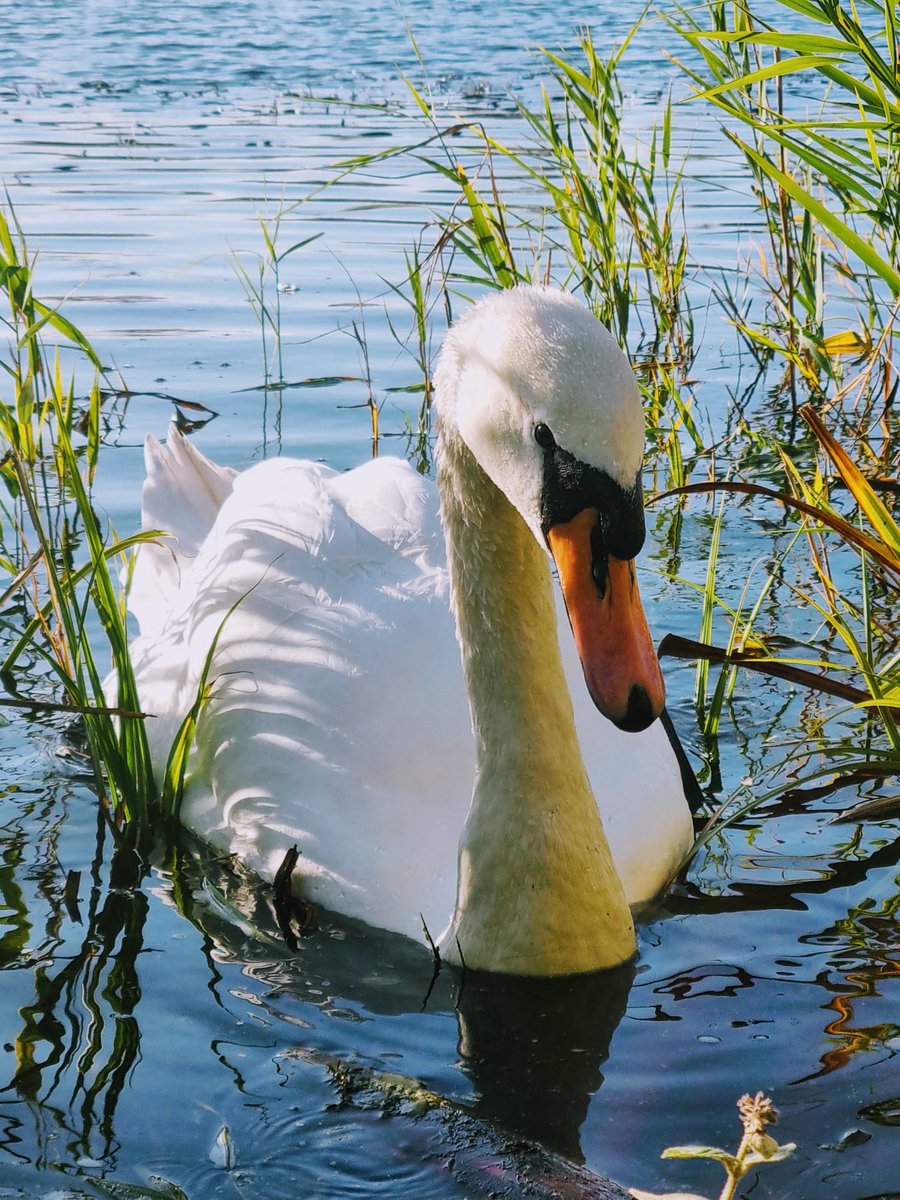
(339,720)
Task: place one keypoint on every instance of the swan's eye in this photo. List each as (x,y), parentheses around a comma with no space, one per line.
(543,436)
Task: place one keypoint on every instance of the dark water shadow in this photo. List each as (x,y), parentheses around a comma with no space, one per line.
(530,1054)
(532,1050)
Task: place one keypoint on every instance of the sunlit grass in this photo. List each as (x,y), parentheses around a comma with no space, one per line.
(826,181)
(847,583)
(603,217)
(60,555)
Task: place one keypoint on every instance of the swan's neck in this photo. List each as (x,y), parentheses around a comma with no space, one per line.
(538,892)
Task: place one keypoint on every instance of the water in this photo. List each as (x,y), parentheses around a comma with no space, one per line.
(167,1033)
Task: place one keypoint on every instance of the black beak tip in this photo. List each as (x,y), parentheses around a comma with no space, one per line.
(639,714)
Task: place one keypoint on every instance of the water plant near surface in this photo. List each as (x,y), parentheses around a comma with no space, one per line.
(756,1149)
(579,202)
(617,206)
(421,298)
(850,579)
(605,221)
(263,287)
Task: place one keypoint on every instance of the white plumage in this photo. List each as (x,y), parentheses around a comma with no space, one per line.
(340,721)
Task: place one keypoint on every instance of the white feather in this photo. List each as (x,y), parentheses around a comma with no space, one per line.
(340,721)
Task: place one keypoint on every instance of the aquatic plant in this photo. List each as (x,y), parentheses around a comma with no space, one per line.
(618,206)
(419,295)
(850,578)
(756,1149)
(826,183)
(605,220)
(608,223)
(63,598)
(593,210)
(611,226)
(82,1023)
(263,286)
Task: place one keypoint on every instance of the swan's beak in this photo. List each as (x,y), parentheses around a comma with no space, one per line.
(604,606)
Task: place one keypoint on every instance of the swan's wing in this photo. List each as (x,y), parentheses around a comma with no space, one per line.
(183,491)
(395,504)
(339,720)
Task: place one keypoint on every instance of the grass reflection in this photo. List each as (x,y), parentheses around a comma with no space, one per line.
(79,1037)
(864,959)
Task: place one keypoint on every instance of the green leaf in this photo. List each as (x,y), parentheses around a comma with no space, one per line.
(863,492)
(784,66)
(756,1159)
(807,8)
(849,237)
(722,1156)
(297,246)
(417,96)
(802,43)
(64,326)
(869,96)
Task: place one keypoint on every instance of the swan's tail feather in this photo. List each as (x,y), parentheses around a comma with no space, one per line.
(182,495)
(183,491)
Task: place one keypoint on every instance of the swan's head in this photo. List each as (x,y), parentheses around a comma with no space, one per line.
(548,405)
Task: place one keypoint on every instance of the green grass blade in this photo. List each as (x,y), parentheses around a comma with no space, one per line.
(849,237)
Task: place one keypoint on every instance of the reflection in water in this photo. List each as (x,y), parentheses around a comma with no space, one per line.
(79,1038)
(865,960)
(534,1049)
(531,1049)
(270,1031)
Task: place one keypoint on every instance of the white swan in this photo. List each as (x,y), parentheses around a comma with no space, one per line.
(340,719)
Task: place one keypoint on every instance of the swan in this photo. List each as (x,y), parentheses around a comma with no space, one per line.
(365,676)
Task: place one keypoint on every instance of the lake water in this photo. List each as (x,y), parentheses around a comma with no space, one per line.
(165,1032)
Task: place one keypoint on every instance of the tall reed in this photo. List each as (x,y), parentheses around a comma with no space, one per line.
(828,183)
(603,214)
(849,580)
(63,600)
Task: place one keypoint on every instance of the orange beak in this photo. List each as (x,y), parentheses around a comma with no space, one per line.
(604,606)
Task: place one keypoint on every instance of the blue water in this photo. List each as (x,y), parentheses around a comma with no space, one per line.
(166,1033)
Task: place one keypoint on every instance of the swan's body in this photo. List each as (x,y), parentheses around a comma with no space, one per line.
(340,720)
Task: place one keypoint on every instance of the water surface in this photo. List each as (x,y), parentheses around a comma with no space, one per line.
(166,1032)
